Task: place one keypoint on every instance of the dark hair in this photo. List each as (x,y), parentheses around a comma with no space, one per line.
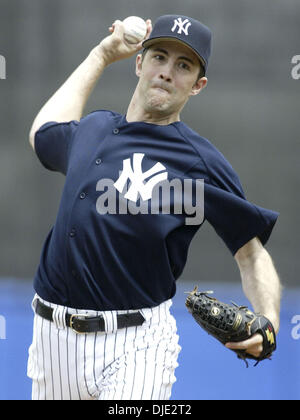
(201,72)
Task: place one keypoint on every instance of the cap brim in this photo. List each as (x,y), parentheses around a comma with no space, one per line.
(153,41)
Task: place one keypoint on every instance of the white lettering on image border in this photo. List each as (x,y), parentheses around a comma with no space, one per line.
(2,327)
(2,67)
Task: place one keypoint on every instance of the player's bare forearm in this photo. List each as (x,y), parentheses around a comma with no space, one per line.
(69,101)
(260,280)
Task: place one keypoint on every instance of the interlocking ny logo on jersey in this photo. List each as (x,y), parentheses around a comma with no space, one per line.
(183,26)
(150,192)
(138,178)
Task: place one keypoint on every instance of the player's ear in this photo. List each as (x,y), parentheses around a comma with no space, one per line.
(198,86)
(138,65)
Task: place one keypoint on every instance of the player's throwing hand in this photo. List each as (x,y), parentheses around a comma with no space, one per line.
(114,47)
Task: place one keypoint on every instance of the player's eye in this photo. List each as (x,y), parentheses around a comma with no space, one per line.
(159,57)
(183,65)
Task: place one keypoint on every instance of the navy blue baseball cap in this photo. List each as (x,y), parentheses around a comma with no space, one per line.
(184,29)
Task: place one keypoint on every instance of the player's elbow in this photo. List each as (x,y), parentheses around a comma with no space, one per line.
(249,253)
(31,138)
(34,128)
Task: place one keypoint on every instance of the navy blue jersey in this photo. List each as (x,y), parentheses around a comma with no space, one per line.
(113,246)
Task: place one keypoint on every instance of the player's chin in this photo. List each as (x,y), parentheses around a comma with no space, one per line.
(157,103)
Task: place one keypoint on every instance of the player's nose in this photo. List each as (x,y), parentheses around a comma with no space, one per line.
(165,77)
(166,74)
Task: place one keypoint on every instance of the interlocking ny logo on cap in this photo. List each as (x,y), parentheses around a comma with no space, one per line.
(183,26)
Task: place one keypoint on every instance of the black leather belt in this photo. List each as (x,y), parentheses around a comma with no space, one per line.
(83,324)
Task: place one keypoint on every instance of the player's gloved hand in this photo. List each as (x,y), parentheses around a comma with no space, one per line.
(249,335)
(253,346)
(114,47)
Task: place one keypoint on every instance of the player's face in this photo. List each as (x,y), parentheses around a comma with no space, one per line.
(168,76)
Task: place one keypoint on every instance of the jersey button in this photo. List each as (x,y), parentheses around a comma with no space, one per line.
(116,131)
(82,195)
(98,161)
(72,233)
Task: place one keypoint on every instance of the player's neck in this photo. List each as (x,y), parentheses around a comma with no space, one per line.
(136,112)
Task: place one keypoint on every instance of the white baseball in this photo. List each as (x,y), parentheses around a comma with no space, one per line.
(135,29)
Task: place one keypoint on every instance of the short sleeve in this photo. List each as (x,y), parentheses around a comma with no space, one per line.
(234,218)
(53,142)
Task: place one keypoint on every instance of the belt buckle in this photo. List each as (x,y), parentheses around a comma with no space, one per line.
(72,322)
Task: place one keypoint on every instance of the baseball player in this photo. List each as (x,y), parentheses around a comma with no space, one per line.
(108,268)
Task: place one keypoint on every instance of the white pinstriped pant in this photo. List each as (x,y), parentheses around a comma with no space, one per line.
(135,363)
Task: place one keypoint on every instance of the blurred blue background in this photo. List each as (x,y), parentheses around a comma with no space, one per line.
(207,371)
(249,110)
